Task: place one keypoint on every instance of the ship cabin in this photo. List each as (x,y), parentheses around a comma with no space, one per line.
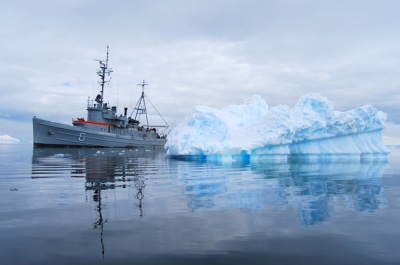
(103,118)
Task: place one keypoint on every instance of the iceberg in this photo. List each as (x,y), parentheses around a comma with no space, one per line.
(252,129)
(6,139)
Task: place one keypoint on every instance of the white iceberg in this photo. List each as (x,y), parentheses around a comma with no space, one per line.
(252,128)
(6,139)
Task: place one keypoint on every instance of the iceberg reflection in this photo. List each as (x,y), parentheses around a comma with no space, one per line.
(315,187)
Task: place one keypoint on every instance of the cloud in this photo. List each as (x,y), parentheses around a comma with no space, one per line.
(391,135)
(17,116)
(198,53)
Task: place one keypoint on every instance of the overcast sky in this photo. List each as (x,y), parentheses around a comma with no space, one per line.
(196,52)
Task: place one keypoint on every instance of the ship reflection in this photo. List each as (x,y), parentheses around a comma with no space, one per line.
(314,189)
(102,170)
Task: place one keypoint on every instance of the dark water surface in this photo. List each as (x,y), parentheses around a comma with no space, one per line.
(121,206)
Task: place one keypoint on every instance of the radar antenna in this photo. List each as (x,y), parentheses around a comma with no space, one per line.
(102,73)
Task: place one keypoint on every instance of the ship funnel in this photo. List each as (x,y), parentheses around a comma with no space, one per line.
(125,111)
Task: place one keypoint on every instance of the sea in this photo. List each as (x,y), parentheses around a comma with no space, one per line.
(138,206)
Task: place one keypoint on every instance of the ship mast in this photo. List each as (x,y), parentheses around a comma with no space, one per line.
(139,108)
(102,73)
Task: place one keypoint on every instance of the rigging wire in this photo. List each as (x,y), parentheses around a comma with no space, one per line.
(156,109)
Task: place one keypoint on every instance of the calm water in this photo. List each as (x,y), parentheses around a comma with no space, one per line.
(121,206)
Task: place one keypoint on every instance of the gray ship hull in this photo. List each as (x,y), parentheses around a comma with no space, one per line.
(47,133)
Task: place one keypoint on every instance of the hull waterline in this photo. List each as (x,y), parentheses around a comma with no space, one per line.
(48,134)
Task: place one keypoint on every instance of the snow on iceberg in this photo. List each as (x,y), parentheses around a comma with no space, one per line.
(252,128)
(6,139)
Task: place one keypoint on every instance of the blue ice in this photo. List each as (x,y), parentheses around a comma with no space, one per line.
(253,130)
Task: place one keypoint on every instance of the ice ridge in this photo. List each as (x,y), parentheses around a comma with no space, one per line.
(252,128)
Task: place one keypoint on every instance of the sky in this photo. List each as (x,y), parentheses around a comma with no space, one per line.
(197,52)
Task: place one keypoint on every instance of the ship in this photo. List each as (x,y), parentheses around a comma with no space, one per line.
(103,127)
